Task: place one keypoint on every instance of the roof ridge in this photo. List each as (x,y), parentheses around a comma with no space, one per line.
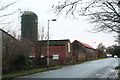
(84,44)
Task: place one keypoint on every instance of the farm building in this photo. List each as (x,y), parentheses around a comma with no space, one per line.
(29,26)
(82,51)
(59,51)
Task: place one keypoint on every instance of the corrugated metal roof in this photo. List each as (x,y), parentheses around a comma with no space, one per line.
(86,45)
(53,42)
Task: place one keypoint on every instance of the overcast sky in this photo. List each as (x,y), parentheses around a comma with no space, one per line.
(63,28)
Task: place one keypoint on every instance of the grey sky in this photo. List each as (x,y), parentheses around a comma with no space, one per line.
(63,28)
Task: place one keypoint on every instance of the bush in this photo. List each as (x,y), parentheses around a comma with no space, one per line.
(29,64)
(20,61)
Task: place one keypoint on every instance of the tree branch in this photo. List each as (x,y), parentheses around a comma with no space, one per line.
(8,14)
(4,7)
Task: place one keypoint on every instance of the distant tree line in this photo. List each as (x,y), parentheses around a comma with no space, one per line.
(114,50)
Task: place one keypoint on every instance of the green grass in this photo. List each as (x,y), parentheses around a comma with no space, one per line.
(74,63)
(27,72)
(21,73)
(98,58)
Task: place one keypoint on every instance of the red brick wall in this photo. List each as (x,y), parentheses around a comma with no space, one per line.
(81,56)
(92,54)
(68,55)
(78,56)
(59,50)
(53,50)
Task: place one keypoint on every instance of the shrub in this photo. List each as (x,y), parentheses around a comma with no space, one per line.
(20,61)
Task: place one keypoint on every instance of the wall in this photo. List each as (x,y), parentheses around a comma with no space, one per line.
(65,55)
(0,53)
(81,56)
(53,50)
(81,52)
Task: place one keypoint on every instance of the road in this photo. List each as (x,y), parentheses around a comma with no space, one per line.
(103,68)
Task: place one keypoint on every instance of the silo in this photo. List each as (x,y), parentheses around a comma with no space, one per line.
(29,26)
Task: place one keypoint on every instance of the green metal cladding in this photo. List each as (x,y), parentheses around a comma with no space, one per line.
(29,26)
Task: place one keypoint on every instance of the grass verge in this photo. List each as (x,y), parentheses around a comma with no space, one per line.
(27,72)
(74,63)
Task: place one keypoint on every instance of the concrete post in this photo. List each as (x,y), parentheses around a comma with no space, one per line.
(0,54)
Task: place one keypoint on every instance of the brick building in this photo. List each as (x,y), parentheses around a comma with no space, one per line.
(59,51)
(82,51)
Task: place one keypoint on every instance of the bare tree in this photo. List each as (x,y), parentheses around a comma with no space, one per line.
(12,47)
(40,47)
(6,23)
(42,34)
(102,12)
(101,50)
(4,7)
(8,51)
(24,46)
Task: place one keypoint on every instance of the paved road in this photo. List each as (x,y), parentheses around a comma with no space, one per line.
(93,69)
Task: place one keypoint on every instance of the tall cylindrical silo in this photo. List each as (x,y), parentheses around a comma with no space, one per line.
(29,26)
